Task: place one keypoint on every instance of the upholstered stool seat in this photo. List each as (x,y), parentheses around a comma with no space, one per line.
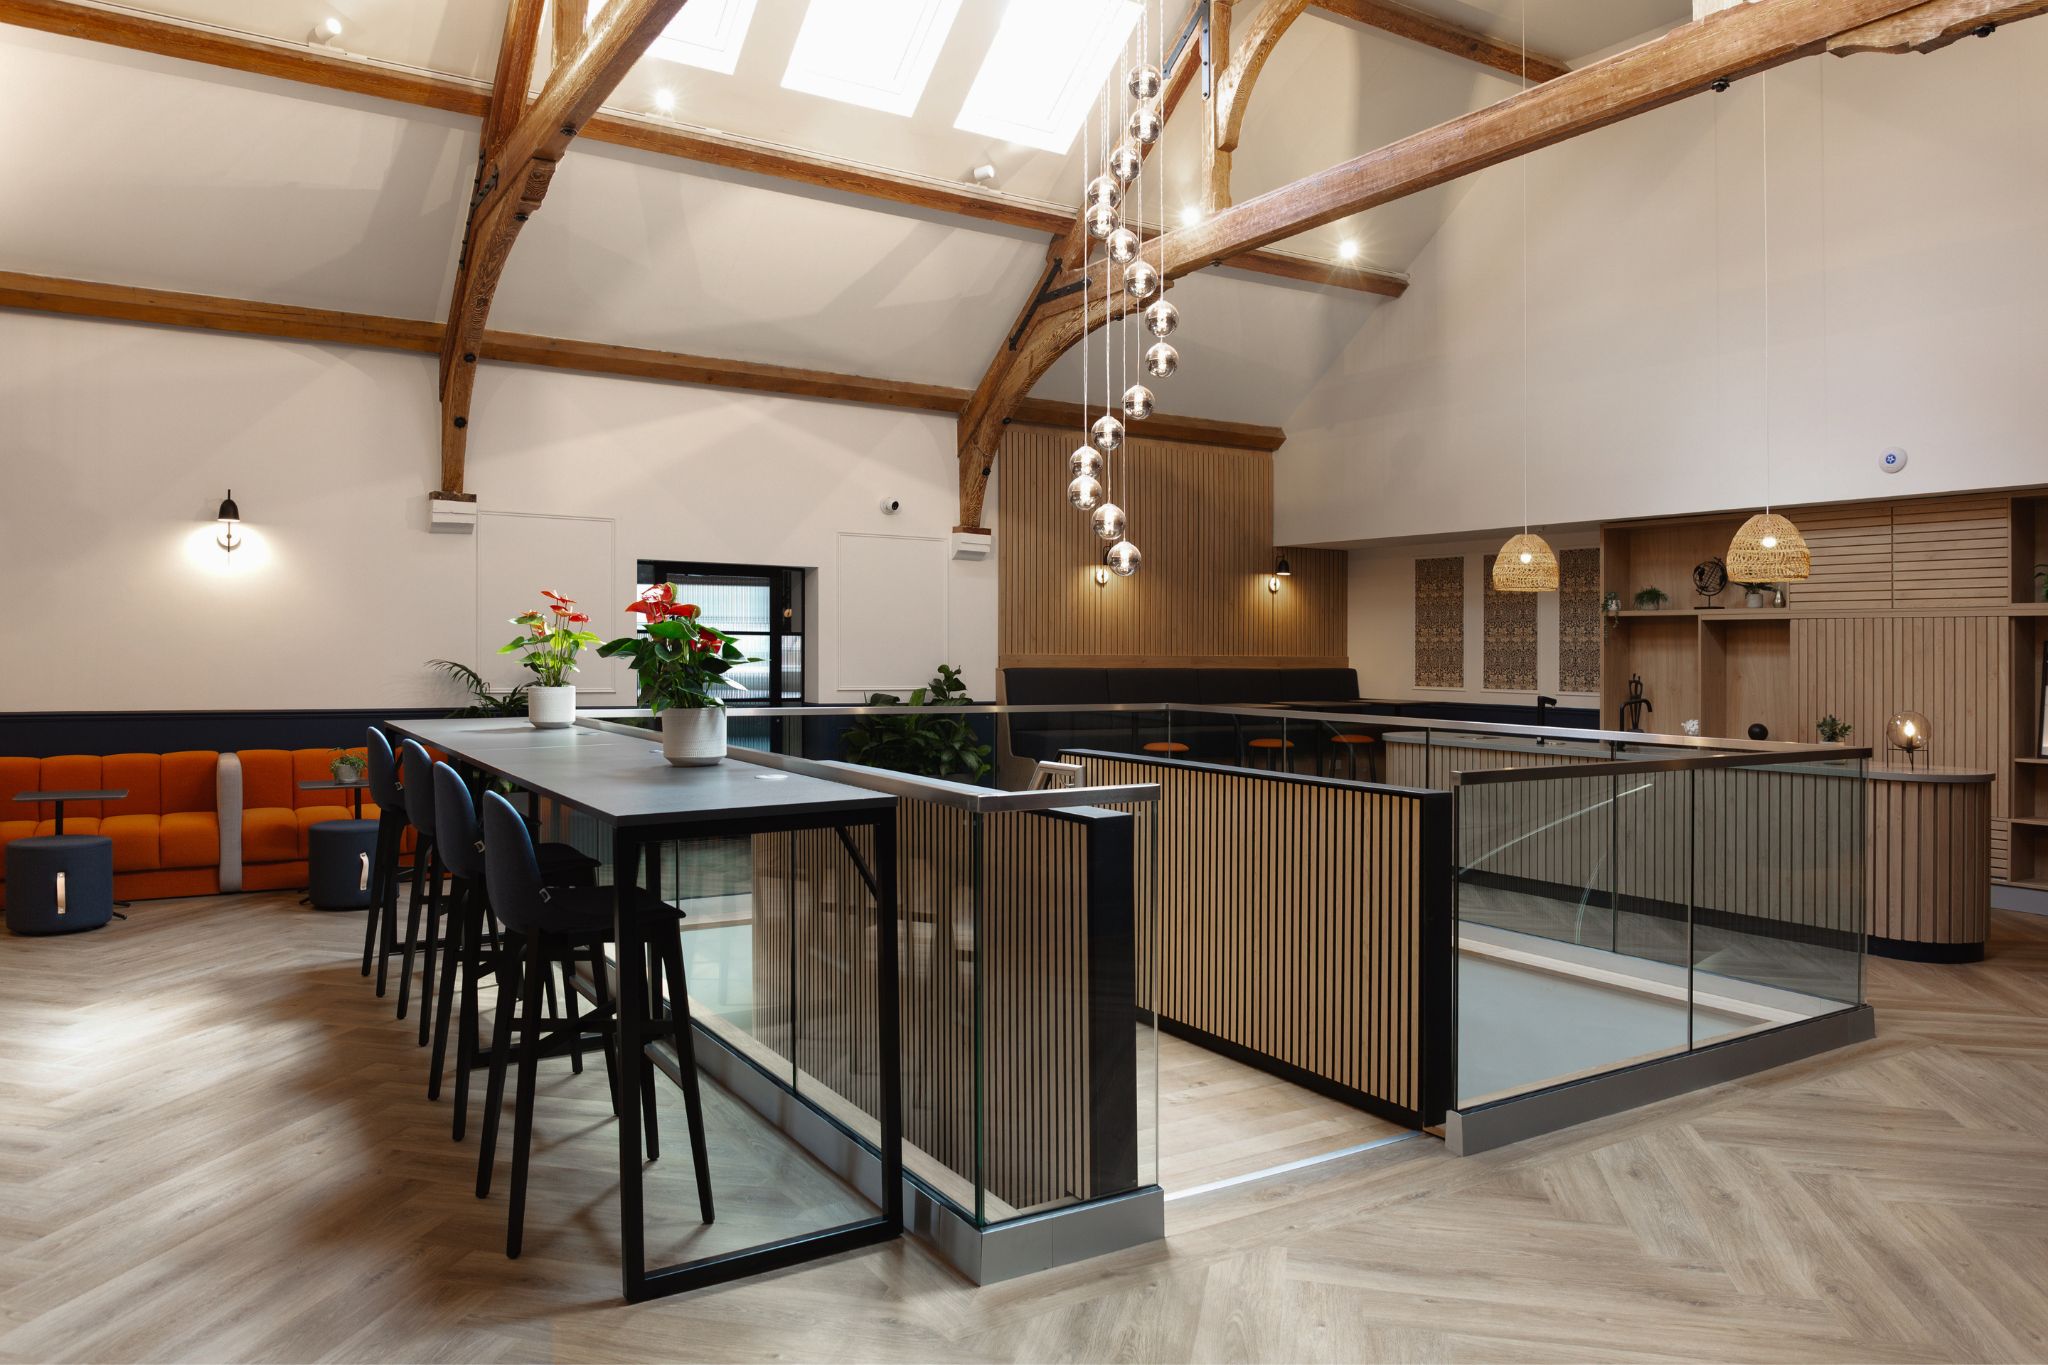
(1169,747)
(1349,745)
(340,858)
(59,883)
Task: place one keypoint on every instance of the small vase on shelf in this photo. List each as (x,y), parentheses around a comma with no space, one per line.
(551,708)
(693,736)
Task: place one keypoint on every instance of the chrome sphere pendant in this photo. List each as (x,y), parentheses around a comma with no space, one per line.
(1103,221)
(1141,279)
(1108,522)
(1161,318)
(1144,126)
(1085,463)
(1143,82)
(1161,360)
(1123,245)
(1105,189)
(1108,433)
(1124,559)
(1085,492)
(1125,163)
(1137,402)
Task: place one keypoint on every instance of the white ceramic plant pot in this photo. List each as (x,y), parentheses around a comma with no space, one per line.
(693,737)
(1753,600)
(551,708)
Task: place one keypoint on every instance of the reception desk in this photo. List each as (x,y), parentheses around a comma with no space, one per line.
(1927,840)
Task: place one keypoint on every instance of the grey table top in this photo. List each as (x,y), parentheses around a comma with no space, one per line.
(332,784)
(625,781)
(111,795)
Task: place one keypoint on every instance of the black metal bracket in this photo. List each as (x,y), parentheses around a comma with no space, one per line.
(1199,17)
(1051,273)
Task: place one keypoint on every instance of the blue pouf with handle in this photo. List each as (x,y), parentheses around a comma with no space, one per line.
(59,883)
(339,857)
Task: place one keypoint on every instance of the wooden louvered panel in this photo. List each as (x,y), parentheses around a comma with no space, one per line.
(1203,517)
(1852,556)
(1930,862)
(1951,552)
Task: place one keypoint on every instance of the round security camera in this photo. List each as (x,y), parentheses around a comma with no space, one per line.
(1892,461)
(891,506)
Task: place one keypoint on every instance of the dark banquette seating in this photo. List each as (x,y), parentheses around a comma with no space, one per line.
(1047,734)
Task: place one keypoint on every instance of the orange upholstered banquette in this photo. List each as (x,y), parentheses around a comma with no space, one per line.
(276,814)
(166,831)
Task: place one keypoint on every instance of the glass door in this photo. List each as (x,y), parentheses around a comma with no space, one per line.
(762,607)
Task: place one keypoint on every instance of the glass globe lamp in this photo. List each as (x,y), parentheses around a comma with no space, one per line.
(1108,433)
(1143,82)
(1161,318)
(1085,492)
(1125,163)
(1123,245)
(1108,522)
(1103,221)
(1161,359)
(1085,462)
(1104,189)
(1141,279)
(1137,402)
(1144,126)
(1907,733)
(1123,559)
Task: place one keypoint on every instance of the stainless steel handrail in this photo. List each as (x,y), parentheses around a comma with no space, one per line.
(1829,753)
(939,791)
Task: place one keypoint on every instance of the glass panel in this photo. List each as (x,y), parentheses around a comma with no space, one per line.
(1778,934)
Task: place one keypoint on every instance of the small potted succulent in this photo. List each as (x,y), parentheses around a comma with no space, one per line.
(348,767)
(547,646)
(1753,594)
(1833,729)
(1611,603)
(678,661)
(1650,599)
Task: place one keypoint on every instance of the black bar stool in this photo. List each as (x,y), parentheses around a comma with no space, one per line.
(545,926)
(416,770)
(380,935)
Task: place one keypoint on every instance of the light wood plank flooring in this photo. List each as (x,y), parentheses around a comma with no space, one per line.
(214,1145)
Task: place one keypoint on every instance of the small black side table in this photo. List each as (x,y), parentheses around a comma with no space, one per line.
(59,798)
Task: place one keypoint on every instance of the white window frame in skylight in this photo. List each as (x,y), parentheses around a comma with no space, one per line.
(706,34)
(877,54)
(1049,61)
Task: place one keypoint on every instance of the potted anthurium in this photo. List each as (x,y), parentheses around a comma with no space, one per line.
(678,661)
(547,646)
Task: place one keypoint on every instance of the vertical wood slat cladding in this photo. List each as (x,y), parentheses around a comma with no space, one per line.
(1930,862)
(1291,922)
(1203,516)
(815,1000)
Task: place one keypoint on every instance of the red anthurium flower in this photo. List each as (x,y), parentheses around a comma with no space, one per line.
(644,608)
(689,609)
(579,617)
(549,592)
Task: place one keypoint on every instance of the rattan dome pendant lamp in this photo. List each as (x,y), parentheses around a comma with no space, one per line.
(1768,548)
(1526,563)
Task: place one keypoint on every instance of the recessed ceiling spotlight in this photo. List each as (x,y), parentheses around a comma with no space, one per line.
(665,101)
(326,31)
(1347,251)
(1190,215)
(985,176)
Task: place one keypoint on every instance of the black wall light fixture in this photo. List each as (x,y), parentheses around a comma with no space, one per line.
(230,519)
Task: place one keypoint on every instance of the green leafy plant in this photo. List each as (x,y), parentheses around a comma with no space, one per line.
(678,659)
(551,639)
(483,701)
(1833,729)
(1649,599)
(924,744)
(1610,603)
(348,767)
(2041,580)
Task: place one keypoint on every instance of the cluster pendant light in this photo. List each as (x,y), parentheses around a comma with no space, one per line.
(1135,108)
(1526,563)
(1768,548)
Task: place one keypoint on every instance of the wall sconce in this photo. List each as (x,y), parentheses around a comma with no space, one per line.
(1101,575)
(1273,583)
(230,518)
(1907,732)
(1280,566)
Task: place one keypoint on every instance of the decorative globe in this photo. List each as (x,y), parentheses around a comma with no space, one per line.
(1125,162)
(1085,462)
(1143,82)
(1141,279)
(1108,522)
(1085,492)
(1161,318)
(1108,433)
(1145,126)
(1710,577)
(1102,221)
(1123,245)
(1137,402)
(1104,189)
(1907,732)
(1161,359)
(1123,559)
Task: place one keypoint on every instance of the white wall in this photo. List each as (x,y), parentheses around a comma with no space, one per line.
(1906,254)
(1381,617)
(119,441)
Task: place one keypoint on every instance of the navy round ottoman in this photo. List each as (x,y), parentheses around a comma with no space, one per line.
(339,856)
(59,883)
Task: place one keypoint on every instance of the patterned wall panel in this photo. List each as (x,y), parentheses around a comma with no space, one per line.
(1440,622)
(1508,620)
(1578,620)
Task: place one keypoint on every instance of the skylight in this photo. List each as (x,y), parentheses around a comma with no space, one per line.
(874,53)
(1044,70)
(706,34)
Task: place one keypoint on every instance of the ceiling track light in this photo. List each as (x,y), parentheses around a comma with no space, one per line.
(325,32)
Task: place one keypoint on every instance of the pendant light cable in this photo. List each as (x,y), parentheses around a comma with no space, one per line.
(1767,289)
(1525,282)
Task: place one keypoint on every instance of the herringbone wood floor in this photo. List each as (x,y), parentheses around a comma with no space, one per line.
(215,1146)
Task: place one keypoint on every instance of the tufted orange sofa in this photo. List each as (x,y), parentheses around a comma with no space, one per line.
(276,814)
(166,831)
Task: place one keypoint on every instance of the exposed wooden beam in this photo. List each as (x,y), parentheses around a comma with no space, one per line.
(338,71)
(1931,26)
(519,163)
(568,27)
(244,317)
(1687,60)
(1430,31)
(1215,180)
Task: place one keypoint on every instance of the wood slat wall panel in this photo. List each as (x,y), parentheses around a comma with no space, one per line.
(1203,516)
(1930,862)
(1852,556)
(1290,921)
(1951,552)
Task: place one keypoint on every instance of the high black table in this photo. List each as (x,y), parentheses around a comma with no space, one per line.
(623,782)
(59,798)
